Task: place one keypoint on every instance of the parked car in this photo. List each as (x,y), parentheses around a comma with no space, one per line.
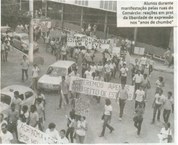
(53,76)
(26,94)
(21,42)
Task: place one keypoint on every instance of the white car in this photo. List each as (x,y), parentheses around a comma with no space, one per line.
(26,94)
(21,42)
(53,76)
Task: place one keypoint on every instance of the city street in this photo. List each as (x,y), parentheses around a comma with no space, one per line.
(124,130)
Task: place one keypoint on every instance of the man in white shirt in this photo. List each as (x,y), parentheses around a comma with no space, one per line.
(123,96)
(5,136)
(157,105)
(52,132)
(25,66)
(35,75)
(123,74)
(89,74)
(138,78)
(139,97)
(63,139)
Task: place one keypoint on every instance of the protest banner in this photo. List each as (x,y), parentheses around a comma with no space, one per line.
(30,135)
(98,88)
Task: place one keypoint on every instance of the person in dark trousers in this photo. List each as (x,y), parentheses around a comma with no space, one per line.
(63,90)
(70,125)
(138,118)
(13,116)
(157,105)
(168,106)
(107,117)
(122,96)
(25,66)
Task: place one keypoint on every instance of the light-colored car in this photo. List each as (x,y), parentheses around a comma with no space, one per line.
(53,77)
(21,42)
(26,94)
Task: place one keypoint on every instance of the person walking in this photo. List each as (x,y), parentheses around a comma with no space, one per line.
(138,78)
(139,97)
(159,84)
(70,125)
(17,101)
(138,118)
(157,105)
(63,91)
(168,107)
(123,74)
(107,117)
(35,75)
(25,66)
(165,135)
(145,84)
(122,96)
(81,129)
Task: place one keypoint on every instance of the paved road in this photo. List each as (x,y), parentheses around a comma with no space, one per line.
(124,130)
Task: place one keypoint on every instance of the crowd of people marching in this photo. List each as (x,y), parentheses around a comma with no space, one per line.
(105,70)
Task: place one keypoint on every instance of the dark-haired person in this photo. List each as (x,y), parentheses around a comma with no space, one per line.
(70,125)
(63,90)
(168,106)
(35,75)
(139,97)
(138,118)
(123,74)
(25,65)
(13,116)
(158,104)
(24,114)
(165,133)
(81,128)
(137,79)
(5,136)
(34,117)
(52,132)
(2,120)
(62,138)
(159,84)
(17,101)
(145,84)
(40,110)
(107,117)
(122,96)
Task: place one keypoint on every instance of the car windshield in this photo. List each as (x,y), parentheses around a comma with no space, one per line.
(56,71)
(5,99)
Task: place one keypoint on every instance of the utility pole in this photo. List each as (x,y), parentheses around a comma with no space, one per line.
(30,53)
(105,24)
(135,34)
(81,18)
(62,16)
(20,5)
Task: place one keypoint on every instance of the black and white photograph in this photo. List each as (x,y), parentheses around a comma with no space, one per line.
(69,74)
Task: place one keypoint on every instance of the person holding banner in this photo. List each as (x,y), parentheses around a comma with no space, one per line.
(5,136)
(81,129)
(122,95)
(107,117)
(52,132)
